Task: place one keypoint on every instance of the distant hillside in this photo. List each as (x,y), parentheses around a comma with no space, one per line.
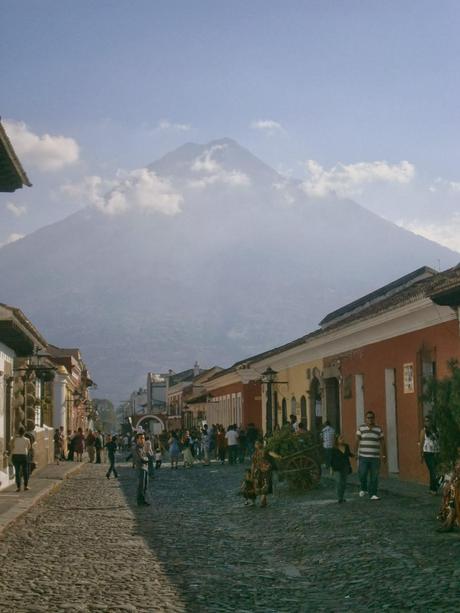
(249,262)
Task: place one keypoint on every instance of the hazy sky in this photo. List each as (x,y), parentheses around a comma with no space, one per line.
(356,97)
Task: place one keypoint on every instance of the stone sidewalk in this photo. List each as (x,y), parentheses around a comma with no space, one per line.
(42,483)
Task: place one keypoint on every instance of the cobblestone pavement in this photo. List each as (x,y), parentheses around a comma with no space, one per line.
(87,547)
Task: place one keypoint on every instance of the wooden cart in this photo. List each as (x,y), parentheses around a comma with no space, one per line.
(301,470)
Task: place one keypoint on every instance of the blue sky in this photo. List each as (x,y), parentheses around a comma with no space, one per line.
(343,83)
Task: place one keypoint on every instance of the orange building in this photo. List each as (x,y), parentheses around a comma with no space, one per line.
(418,326)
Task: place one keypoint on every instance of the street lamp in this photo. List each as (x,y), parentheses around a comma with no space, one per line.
(269,378)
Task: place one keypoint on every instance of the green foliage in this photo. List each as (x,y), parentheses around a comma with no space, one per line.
(285,442)
(444,394)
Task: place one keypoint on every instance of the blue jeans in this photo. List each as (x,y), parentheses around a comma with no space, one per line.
(368,472)
(431,460)
(341,482)
(142,482)
(232,453)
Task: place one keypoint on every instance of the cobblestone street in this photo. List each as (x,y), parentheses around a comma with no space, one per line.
(88,547)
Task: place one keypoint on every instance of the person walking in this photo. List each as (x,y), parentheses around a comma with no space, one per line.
(232,444)
(340,464)
(90,445)
(174,449)
(71,445)
(57,446)
(261,472)
(187,450)
(20,449)
(221,443)
(327,436)
(370,449)
(429,451)
(158,458)
(78,444)
(141,465)
(111,447)
(247,489)
(150,456)
(206,445)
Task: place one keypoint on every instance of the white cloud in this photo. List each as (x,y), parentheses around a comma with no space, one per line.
(90,189)
(177,127)
(12,238)
(213,172)
(269,126)
(205,162)
(16,209)
(441,184)
(447,233)
(45,152)
(139,189)
(347,180)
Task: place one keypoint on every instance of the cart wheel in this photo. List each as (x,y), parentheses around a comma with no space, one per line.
(303,473)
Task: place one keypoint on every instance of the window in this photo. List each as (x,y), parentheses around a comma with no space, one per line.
(408,378)
(303,410)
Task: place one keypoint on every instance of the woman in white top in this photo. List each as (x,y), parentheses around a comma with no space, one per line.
(19,454)
(429,451)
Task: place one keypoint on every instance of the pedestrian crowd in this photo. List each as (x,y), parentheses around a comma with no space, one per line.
(233,445)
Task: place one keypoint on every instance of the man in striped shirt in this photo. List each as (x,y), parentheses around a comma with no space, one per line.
(370,447)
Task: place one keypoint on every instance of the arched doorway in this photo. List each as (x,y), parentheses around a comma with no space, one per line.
(283,412)
(316,407)
(331,387)
(293,406)
(303,410)
(151,423)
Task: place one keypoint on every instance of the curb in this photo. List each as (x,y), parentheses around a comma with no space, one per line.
(24,505)
(414,490)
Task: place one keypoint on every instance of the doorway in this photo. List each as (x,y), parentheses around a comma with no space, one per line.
(333,403)
(392,420)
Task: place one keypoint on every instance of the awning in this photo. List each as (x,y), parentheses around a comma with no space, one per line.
(13,336)
(12,174)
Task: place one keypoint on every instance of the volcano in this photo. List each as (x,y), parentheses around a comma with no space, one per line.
(207,254)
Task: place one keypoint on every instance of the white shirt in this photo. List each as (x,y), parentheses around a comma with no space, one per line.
(21,445)
(232,437)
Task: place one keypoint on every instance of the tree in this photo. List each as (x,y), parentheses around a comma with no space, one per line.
(106,417)
(444,395)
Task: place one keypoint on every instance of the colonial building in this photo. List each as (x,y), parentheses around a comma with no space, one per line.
(373,353)
(41,387)
(195,398)
(406,336)
(234,397)
(178,386)
(21,392)
(72,403)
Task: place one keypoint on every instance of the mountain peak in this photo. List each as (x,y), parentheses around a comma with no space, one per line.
(191,160)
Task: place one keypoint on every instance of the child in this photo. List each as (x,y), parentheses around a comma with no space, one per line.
(247,488)
(157,458)
(340,464)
